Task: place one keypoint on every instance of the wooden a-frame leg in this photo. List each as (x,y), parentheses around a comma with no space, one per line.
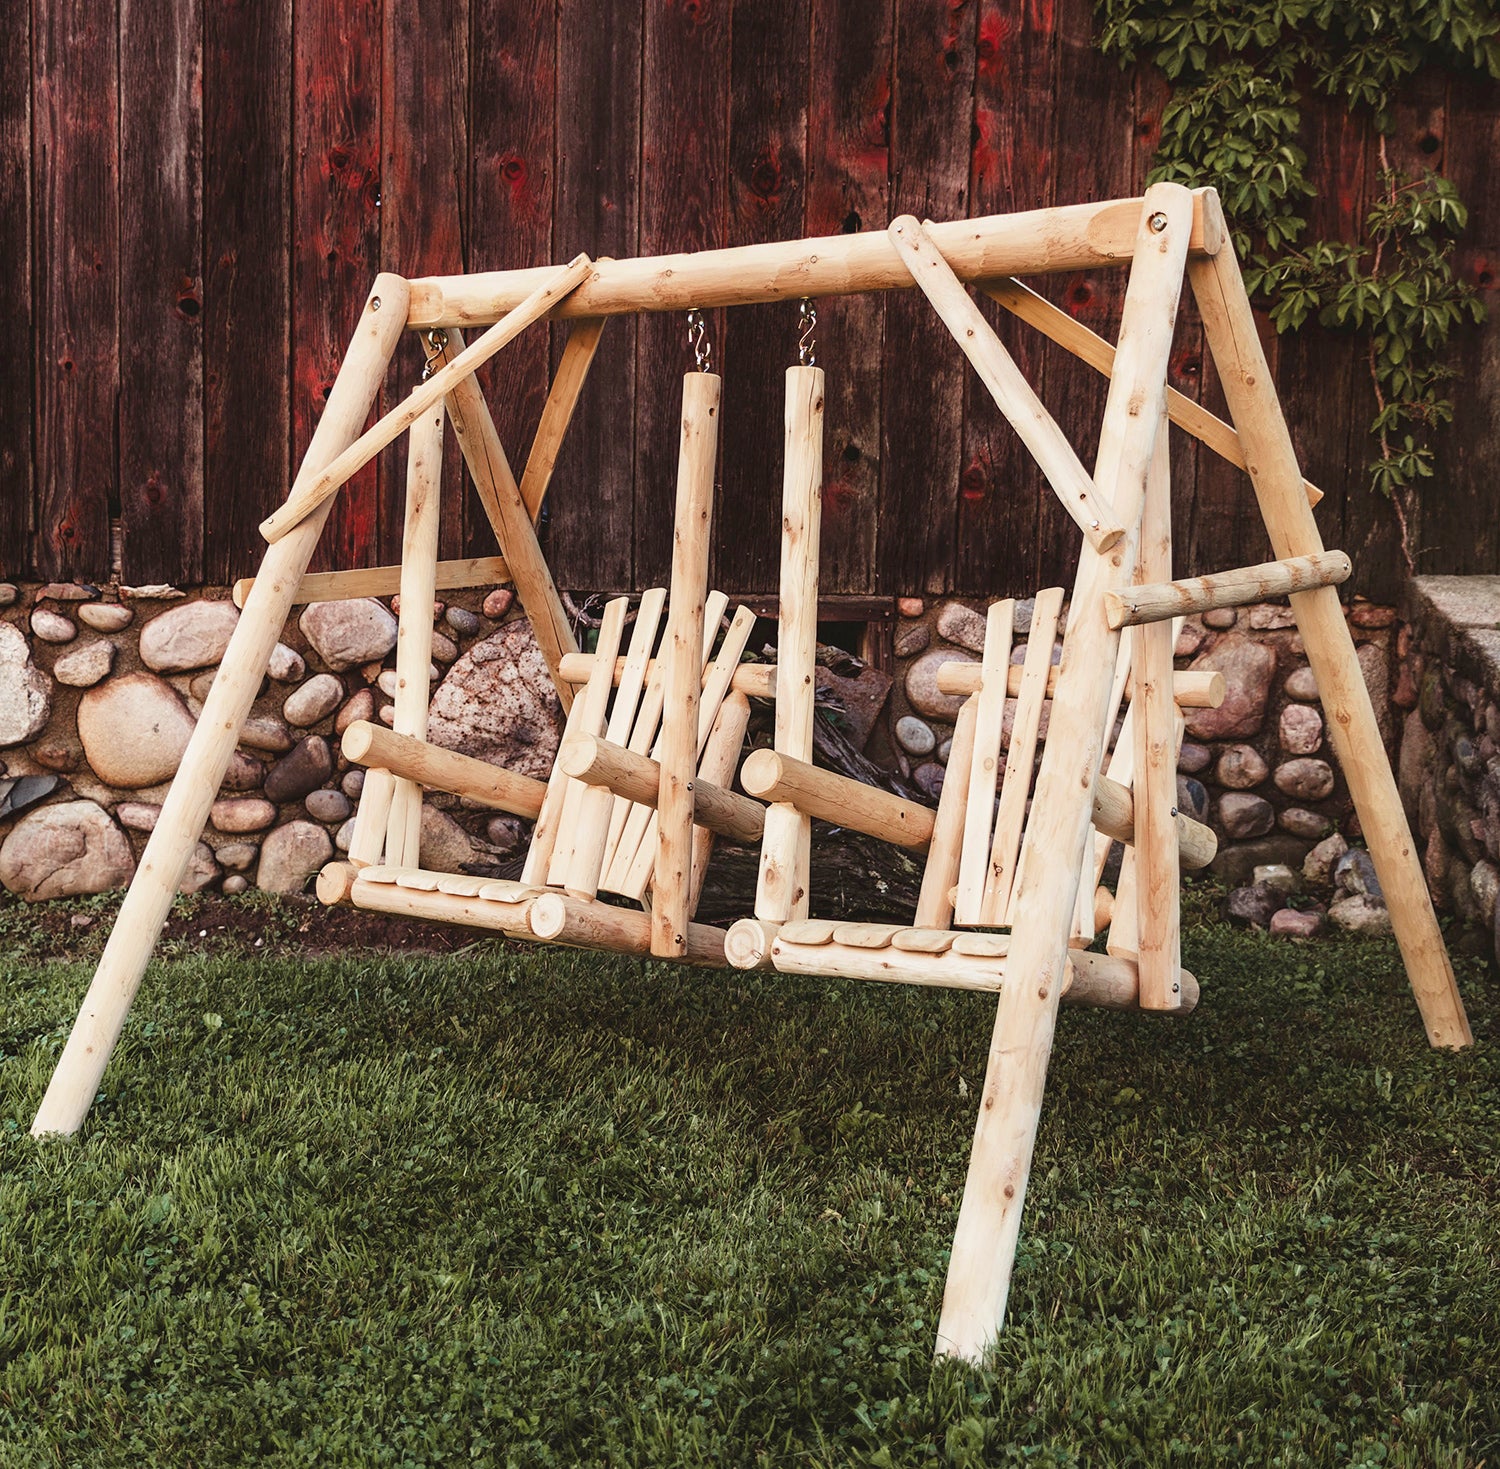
(185,810)
(989,1220)
(1229,326)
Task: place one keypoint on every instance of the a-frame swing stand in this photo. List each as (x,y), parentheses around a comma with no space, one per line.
(983,875)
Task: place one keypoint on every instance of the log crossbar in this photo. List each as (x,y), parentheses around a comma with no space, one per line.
(1162,601)
(1193,688)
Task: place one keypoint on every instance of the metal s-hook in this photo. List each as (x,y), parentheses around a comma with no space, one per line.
(697,335)
(807,324)
(437,343)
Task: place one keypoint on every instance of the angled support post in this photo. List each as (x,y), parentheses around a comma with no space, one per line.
(1229,326)
(183,814)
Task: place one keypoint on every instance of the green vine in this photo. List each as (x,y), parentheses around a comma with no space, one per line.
(1238,73)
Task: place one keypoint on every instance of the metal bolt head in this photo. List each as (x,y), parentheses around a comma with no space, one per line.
(1158,222)
(374,303)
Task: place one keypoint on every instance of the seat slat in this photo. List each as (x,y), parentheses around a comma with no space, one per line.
(866,935)
(811,931)
(982,945)
(923,940)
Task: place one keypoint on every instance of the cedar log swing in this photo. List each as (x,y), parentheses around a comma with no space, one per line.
(645,774)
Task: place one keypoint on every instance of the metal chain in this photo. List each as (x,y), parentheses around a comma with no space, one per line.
(697,336)
(807,324)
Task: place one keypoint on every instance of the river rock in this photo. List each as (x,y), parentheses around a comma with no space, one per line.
(290,855)
(63,851)
(1189,640)
(22,792)
(235,884)
(912,639)
(910,606)
(1240,767)
(1360,913)
(1243,815)
(1375,666)
(922,689)
(240,814)
(497,603)
(327,805)
(504,834)
(1192,797)
(343,838)
(237,856)
(83,667)
(1318,865)
(462,621)
(1484,884)
(1299,926)
(915,735)
(314,701)
(361,706)
(201,869)
(1247,667)
(137,815)
(1253,904)
(134,729)
(8,593)
(52,627)
(1220,618)
(1300,729)
(444,845)
(444,650)
(961,625)
(1303,823)
(929,777)
(497,703)
(303,769)
(57,755)
(266,732)
(1300,684)
(1276,875)
(349,633)
(194,635)
(1304,779)
(287,665)
(353,782)
(1193,759)
(105,616)
(25,691)
(1270,617)
(1354,872)
(243,773)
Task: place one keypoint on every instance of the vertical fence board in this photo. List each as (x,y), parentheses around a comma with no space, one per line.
(161,290)
(16,488)
(591,517)
(75,183)
(424,194)
(247,131)
(684,202)
(922,410)
(767,186)
(513,69)
(848,161)
(335,234)
(1010,169)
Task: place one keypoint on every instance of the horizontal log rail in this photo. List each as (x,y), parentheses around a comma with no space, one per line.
(1039,241)
(1162,601)
(1193,688)
(385,581)
(754,680)
(379,748)
(560,918)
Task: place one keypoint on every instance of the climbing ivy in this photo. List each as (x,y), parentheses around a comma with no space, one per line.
(1239,72)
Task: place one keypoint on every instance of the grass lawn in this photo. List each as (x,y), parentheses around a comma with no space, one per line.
(510,1206)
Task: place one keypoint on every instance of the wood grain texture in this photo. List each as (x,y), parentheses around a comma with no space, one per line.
(590,512)
(848,163)
(75,60)
(161,290)
(247,132)
(16,502)
(335,235)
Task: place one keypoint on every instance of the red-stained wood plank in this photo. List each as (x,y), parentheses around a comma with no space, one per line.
(1010,169)
(335,234)
(591,505)
(767,184)
(922,409)
(247,145)
(424,195)
(16,490)
(848,163)
(75,184)
(684,204)
(512,86)
(161,291)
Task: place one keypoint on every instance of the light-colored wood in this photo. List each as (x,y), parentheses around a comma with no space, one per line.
(1005,850)
(924,940)
(989,1220)
(716,681)
(982,945)
(410,901)
(716,768)
(591,828)
(628,822)
(934,905)
(1068,332)
(1007,386)
(1162,601)
(549,819)
(512,521)
(335,882)
(595,699)
(557,412)
(1121,768)
(373,745)
(372,818)
(754,680)
(1114,816)
(419,547)
(1249,389)
(1158,875)
(385,581)
(587,923)
(610,767)
(1123,940)
(307,496)
(770,776)
(984,767)
(1192,688)
(810,930)
(1041,241)
(697,455)
(747,945)
(80,1068)
(784,877)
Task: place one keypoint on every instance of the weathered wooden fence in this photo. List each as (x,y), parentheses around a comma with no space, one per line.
(194,195)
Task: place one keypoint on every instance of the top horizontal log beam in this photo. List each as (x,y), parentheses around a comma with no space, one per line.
(1037,242)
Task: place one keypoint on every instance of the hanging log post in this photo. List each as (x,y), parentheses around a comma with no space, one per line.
(185,810)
